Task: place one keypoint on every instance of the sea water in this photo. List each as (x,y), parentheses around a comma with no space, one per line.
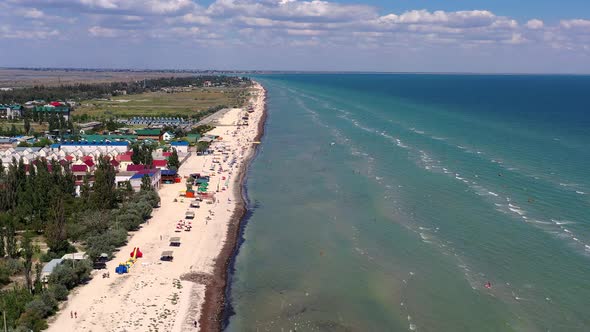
(387,202)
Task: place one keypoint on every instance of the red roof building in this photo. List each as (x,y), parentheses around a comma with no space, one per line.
(79,168)
(124,157)
(160,163)
(135,168)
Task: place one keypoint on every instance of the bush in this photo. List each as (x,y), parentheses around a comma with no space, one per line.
(15,300)
(4,274)
(59,292)
(32,320)
(71,276)
(143,208)
(95,245)
(130,220)
(151,197)
(116,236)
(13,265)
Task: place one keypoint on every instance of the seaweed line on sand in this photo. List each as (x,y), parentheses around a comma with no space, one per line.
(211,318)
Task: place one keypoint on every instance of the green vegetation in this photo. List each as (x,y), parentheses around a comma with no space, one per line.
(173,161)
(106,90)
(202,129)
(159,103)
(42,207)
(142,153)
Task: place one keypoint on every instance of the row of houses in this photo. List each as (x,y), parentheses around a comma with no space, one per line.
(16,111)
(83,159)
(156,121)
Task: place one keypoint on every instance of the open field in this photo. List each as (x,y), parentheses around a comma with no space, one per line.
(27,77)
(35,126)
(163,104)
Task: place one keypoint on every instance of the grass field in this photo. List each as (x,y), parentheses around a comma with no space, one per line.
(162,103)
(36,127)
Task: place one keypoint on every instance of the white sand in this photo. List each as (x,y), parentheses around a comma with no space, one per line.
(151,296)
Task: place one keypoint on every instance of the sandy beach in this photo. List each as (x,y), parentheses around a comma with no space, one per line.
(172,296)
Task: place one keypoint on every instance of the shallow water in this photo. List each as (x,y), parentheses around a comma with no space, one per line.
(386,202)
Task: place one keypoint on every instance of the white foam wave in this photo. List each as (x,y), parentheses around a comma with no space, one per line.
(562,222)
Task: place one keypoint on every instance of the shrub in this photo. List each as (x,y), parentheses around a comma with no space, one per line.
(4,274)
(143,208)
(116,237)
(15,300)
(151,197)
(13,265)
(130,220)
(32,320)
(59,292)
(71,276)
(95,245)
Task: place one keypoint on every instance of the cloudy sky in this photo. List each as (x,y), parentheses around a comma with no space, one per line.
(532,36)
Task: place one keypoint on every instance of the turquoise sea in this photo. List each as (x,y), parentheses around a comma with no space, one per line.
(387,202)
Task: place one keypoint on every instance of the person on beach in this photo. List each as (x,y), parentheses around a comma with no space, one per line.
(75,314)
(71,314)
(195,324)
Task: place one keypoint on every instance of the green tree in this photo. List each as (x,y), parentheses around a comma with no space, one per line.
(103,194)
(128,187)
(27,253)
(85,191)
(38,284)
(2,236)
(146,183)
(55,231)
(11,248)
(173,161)
(27,125)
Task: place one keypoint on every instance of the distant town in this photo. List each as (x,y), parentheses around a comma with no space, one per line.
(80,144)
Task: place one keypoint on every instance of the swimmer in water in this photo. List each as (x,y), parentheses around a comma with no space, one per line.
(488,285)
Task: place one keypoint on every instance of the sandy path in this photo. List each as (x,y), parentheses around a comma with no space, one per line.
(151,297)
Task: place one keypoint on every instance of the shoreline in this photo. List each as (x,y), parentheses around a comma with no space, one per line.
(215,302)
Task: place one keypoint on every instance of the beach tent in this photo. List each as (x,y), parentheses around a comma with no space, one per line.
(122,268)
(133,253)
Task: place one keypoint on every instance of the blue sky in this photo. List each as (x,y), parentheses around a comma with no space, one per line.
(494,36)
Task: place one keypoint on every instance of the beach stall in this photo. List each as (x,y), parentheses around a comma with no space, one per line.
(169,176)
(167,255)
(195,204)
(175,241)
(189,214)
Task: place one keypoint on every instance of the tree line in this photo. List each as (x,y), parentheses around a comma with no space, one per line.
(84,91)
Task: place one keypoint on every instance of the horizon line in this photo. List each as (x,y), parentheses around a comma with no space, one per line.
(279,71)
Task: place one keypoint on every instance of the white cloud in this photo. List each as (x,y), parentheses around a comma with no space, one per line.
(297,22)
(314,10)
(196,19)
(98,31)
(33,13)
(579,24)
(535,24)
(7,32)
(148,7)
